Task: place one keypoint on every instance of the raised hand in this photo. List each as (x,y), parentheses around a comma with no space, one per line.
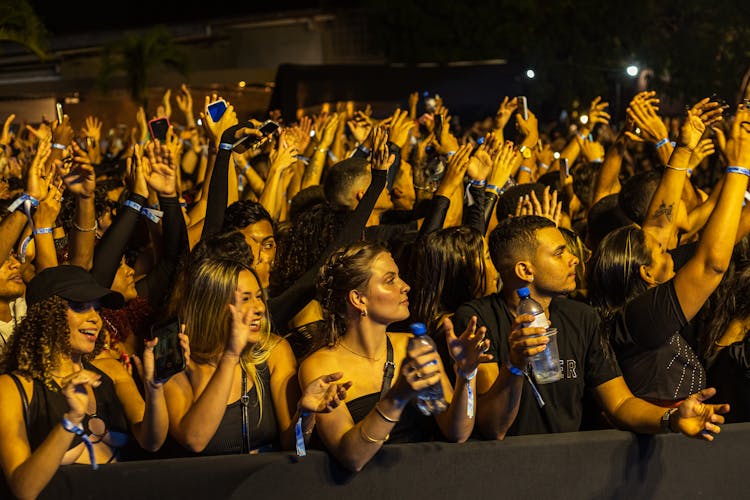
(455,170)
(135,172)
(596,115)
(77,173)
(382,159)
(704,114)
(413,102)
(328,132)
(360,126)
(324,393)
(447,142)
(215,129)
(165,109)
(470,349)
(92,128)
(738,143)
(285,155)
(529,129)
(142,125)
(502,164)
(504,112)
(697,419)
(549,207)
(704,149)
(5,138)
(159,170)
(184,101)
(642,110)
(591,150)
(37,181)
(480,163)
(240,334)
(399,128)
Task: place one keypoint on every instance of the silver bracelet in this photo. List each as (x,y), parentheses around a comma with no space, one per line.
(86,230)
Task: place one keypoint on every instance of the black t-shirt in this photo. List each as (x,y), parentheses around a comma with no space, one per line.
(657,362)
(729,373)
(583,361)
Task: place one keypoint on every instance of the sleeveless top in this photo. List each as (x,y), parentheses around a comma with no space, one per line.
(263,430)
(412,427)
(303,338)
(46,409)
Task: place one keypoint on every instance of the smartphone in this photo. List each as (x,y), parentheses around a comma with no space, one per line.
(267,130)
(158,128)
(523,106)
(438,127)
(59,109)
(169,358)
(216,109)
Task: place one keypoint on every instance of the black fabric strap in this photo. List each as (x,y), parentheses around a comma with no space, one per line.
(24,400)
(244,401)
(388,369)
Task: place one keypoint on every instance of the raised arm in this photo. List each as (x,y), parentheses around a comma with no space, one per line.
(700,276)
(661,216)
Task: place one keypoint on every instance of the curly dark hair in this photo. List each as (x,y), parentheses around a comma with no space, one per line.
(302,245)
(39,339)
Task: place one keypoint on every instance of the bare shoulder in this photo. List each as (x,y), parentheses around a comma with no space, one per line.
(112,368)
(319,363)
(400,341)
(281,354)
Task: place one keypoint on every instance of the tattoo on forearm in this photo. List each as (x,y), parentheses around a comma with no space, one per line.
(665,210)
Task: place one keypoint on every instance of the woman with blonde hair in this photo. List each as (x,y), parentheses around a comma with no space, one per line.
(239,393)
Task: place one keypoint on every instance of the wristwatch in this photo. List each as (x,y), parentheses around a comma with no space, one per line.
(525,152)
(665,427)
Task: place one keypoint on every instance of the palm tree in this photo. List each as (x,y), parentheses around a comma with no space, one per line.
(137,56)
(20,24)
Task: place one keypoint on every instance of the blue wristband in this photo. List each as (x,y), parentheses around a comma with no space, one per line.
(662,142)
(478,182)
(42,230)
(225,146)
(512,369)
(61,147)
(738,170)
(524,168)
(135,206)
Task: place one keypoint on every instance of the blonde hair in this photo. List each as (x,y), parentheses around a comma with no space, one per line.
(204,310)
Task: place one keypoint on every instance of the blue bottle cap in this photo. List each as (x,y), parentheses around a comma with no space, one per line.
(524,292)
(418,329)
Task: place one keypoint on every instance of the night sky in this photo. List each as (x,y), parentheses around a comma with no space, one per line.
(67,17)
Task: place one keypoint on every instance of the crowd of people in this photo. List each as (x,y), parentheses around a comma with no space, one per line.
(295,261)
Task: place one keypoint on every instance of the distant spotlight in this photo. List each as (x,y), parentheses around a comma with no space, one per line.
(584,119)
(242,84)
(632,70)
(530,73)
(198,122)
(556,155)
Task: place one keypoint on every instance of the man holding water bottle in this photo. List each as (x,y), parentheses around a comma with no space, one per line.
(530,251)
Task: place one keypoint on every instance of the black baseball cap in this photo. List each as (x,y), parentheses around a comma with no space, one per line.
(70,283)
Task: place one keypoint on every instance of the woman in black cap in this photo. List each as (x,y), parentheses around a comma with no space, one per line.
(56,408)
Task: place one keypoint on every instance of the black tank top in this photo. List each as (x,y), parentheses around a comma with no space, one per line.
(264,433)
(47,408)
(412,427)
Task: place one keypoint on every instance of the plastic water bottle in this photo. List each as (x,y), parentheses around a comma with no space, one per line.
(546,364)
(527,305)
(430,400)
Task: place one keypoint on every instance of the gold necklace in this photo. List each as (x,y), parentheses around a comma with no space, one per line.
(359,354)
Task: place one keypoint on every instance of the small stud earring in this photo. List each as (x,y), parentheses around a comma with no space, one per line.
(364,313)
